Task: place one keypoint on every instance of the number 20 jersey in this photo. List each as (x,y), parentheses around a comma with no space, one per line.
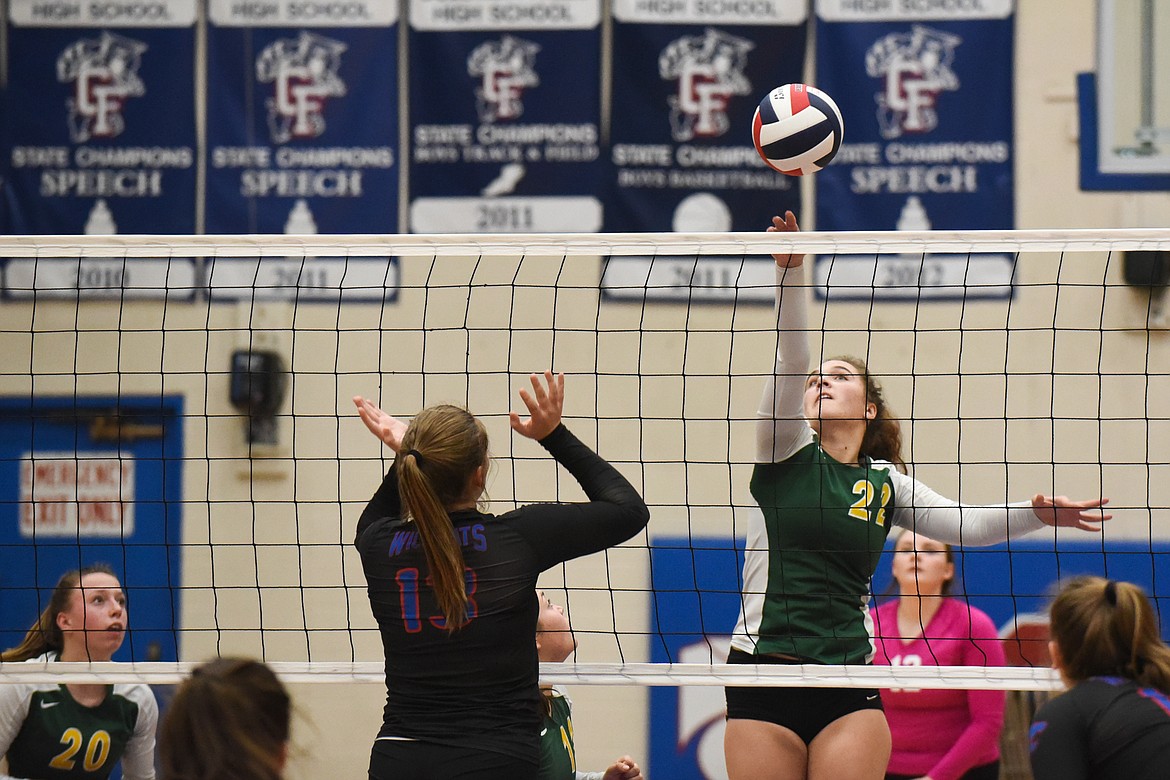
(49,735)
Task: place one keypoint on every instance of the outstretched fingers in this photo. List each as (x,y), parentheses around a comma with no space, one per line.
(1063,512)
(544,403)
(387,428)
(786,224)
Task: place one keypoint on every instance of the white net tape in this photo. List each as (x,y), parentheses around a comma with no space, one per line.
(646,674)
(588,244)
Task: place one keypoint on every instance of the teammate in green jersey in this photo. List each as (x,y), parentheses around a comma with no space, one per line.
(828,488)
(77,730)
(558,759)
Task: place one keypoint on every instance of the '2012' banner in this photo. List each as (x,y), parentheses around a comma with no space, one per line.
(926,97)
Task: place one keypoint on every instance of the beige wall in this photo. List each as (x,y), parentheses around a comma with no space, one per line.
(1098,383)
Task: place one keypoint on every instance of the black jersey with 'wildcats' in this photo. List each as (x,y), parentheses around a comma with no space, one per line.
(477,687)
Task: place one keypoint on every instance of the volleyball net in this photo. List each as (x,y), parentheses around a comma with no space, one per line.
(179,407)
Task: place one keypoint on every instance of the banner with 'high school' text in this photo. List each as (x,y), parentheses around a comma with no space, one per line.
(99,116)
(99,137)
(688,75)
(925,90)
(505,112)
(302,137)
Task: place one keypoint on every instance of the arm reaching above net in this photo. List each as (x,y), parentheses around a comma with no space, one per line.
(781,428)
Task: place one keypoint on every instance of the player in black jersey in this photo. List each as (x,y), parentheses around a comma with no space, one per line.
(77,730)
(453,588)
(1114,722)
(229,719)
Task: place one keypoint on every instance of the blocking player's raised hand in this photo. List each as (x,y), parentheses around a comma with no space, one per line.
(387,428)
(545,403)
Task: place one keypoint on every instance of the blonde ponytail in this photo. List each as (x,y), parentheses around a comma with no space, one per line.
(440,453)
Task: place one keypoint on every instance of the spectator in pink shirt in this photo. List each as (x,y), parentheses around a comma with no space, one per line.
(937,734)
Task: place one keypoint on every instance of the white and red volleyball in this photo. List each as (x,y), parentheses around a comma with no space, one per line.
(797,129)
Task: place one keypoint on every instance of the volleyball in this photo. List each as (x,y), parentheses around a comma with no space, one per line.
(797,129)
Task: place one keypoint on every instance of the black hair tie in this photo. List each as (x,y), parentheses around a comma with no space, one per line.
(1111,593)
(417,457)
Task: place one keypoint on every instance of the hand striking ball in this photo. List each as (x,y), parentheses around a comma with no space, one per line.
(797,129)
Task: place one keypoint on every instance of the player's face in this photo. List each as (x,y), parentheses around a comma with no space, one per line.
(94,624)
(836,392)
(554,640)
(921,566)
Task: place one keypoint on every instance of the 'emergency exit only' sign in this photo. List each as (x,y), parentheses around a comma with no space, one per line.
(76,495)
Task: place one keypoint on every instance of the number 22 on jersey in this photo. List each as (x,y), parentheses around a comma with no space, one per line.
(864,490)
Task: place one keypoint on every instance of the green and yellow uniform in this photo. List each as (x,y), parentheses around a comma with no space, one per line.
(819,526)
(46,734)
(558,758)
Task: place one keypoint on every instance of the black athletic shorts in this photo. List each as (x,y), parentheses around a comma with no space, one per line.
(805,711)
(401,759)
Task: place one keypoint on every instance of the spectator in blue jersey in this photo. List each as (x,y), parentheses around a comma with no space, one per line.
(451,586)
(828,487)
(1114,721)
(77,730)
(558,753)
(229,719)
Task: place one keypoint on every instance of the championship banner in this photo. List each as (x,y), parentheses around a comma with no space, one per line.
(505,113)
(688,75)
(302,136)
(926,97)
(100,138)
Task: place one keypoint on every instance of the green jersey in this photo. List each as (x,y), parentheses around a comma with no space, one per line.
(558,757)
(46,734)
(819,526)
(825,524)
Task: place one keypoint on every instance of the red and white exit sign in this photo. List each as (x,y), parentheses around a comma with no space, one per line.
(76,495)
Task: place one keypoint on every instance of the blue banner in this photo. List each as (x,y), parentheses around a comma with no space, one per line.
(688,76)
(100,117)
(302,117)
(505,114)
(927,103)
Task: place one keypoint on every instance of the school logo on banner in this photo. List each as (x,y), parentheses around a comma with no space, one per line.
(304,72)
(915,67)
(104,72)
(505,68)
(710,71)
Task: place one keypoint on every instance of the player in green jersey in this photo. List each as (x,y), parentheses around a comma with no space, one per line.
(77,730)
(828,486)
(558,759)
